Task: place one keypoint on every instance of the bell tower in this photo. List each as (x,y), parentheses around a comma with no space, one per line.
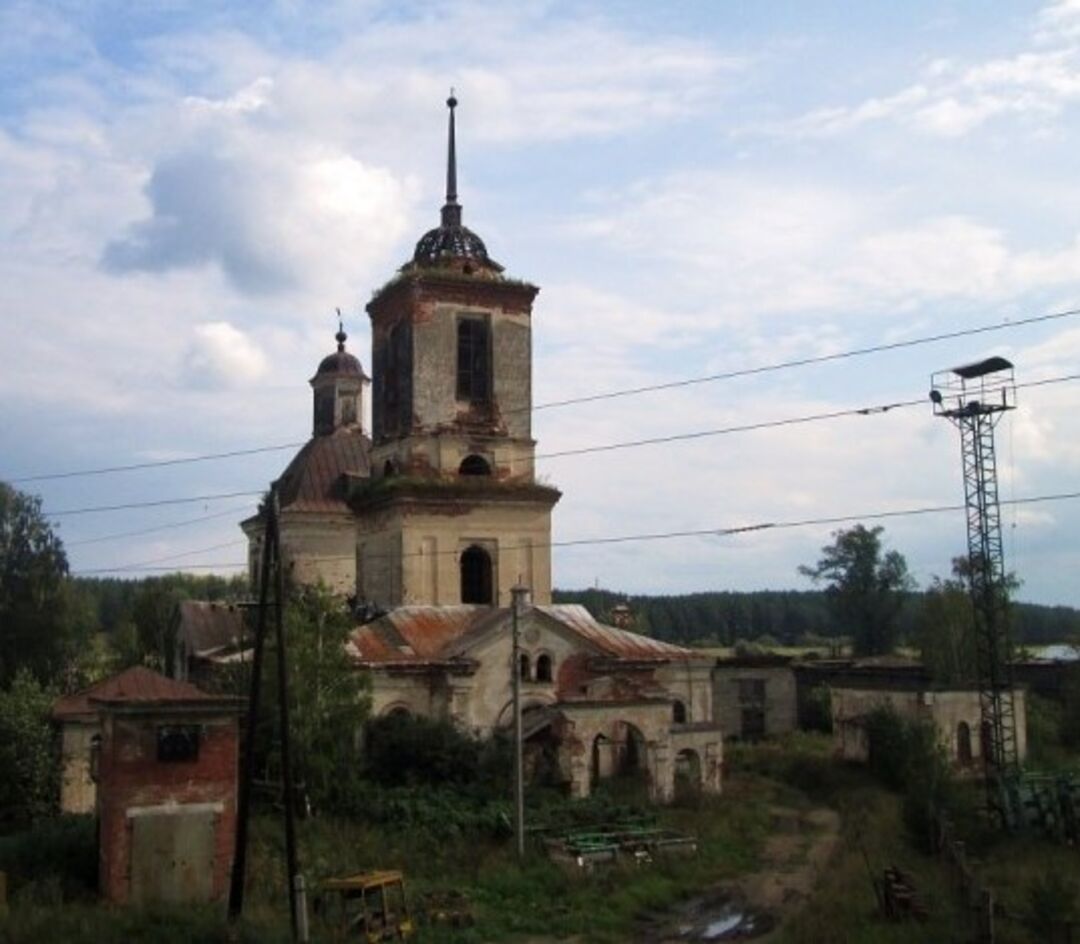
(453,512)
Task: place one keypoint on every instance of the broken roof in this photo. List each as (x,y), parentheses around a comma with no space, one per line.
(315,479)
(137,685)
(417,634)
(204,626)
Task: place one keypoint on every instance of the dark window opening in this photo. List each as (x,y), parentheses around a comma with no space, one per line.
(963,743)
(95,757)
(476,582)
(474,361)
(751,690)
(523,667)
(178,743)
(389,469)
(678,713)
(753,724)
(543,668)
(474,465)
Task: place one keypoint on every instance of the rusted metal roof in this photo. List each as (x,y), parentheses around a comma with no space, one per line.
(204,627)
(415,633)
(314,480)
(618,643)
(134,685)
(426,633)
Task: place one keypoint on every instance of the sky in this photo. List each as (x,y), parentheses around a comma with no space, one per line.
(189,190)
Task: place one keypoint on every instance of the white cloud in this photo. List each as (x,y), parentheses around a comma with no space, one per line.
(221,355)
(778,247)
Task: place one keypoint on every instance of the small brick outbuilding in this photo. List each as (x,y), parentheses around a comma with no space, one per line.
(166,772)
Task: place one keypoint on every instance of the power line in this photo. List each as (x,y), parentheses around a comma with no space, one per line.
(151,504)
(872,410)
(161,527)
(607,395)
(168,557)
(156,464)
(817,359)
(666,535)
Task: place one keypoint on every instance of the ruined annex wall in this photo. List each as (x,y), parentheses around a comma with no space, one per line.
(780,703)
(690,681)
(419,694)
(317,547)
(946,709)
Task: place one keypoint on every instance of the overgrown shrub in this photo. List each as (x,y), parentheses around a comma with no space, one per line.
(815,711)
(906,755)
(29,759)
(402,750)
(57,859)
(1051,904)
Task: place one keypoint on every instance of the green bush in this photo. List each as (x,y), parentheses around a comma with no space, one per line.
(1051,904)
(402,750)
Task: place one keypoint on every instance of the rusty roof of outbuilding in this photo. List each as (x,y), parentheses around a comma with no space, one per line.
(135,685)
(205,626)
(314,480)
(443,633)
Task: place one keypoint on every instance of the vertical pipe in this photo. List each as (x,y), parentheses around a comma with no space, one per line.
(247,772)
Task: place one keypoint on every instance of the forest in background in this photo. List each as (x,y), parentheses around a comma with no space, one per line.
(716,618)
(787,617)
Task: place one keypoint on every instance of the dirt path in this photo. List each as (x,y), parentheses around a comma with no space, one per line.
(755,906)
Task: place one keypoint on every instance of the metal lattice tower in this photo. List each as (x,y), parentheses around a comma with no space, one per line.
(974,398)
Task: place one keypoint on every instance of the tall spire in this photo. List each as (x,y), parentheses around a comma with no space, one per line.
(451,211)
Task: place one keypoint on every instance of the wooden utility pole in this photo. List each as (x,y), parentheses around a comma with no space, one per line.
(271,574)
(519,596)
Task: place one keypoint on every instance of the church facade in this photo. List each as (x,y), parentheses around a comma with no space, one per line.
(429,522)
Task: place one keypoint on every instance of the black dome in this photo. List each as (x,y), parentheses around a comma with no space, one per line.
(340,362)
(451,242)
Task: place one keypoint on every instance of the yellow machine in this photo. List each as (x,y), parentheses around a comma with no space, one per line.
(370,906)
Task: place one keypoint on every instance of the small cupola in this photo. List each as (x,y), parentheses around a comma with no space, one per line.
(338,386)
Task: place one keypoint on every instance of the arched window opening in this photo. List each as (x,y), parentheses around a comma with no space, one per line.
(524,667)
(963,743)
(678,712)
(389,470)
(631,750)
(399,713)
(687,774)
(95,758)
(543,668)
(476,582)
(474,465)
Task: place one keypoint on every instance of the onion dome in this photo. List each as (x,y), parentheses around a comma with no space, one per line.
(450,244)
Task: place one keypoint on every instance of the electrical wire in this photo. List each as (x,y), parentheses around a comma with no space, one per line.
(873,410)
(161,527)
(656,536)
(592,398)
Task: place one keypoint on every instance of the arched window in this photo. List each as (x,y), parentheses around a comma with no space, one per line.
(543,668)
(678,712)
(474,465)
(523,667)
(476,582)
(389,470)
(474,361)
(963,743)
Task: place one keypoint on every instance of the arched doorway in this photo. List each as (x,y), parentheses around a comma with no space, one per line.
(630,750)
(963,743)
(476,582)
(600,759)
(687,774)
